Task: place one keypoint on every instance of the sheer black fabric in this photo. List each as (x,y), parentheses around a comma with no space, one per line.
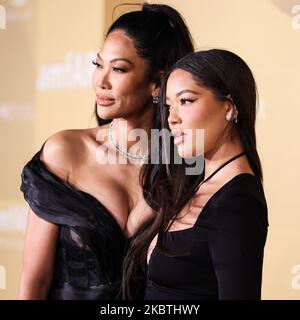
(221,256)
(91,245)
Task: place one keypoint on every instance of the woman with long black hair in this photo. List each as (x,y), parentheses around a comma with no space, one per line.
(83,210)
(207,240)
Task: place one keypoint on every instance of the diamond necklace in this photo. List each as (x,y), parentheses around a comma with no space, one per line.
(125,153)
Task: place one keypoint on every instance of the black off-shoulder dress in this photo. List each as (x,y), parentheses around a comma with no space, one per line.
(91,244)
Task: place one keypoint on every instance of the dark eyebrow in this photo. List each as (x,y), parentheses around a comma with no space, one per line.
(182,92)
(116,59)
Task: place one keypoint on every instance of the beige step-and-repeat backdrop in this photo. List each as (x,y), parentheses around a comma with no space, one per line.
(46,48)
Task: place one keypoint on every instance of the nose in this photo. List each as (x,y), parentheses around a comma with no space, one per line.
(102,80)
(174,117)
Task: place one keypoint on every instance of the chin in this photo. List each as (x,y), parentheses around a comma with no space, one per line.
(105,114)
(187,153)
(183,152)
(103,117)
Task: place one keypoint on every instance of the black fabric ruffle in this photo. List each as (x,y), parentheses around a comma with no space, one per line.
(91,244)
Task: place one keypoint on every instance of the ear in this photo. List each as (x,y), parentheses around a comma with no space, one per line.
(231,110)
(155,86)
(155,91)
(229,104)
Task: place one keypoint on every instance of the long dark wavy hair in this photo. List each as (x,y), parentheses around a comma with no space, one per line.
(160,36)
(167,189)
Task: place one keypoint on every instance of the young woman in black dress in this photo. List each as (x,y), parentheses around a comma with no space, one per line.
(207,241)
(83,210)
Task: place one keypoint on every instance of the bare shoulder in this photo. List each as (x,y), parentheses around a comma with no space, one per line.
(62,151)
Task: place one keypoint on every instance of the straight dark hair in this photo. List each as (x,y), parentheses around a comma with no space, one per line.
(160,36)
(167,188)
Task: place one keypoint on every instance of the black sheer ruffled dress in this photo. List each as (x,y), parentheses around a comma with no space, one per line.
(91,244)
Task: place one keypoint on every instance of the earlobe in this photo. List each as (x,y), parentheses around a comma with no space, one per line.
(232,114)
(155,95)
(155,92)
(231,110)
(229,115)
(156,87)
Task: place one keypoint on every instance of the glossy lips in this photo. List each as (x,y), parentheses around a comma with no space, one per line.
(178,136)
(104,100)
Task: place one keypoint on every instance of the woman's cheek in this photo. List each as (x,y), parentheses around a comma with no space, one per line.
(194,117)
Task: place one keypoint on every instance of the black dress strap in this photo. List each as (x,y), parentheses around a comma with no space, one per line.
(222,166)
